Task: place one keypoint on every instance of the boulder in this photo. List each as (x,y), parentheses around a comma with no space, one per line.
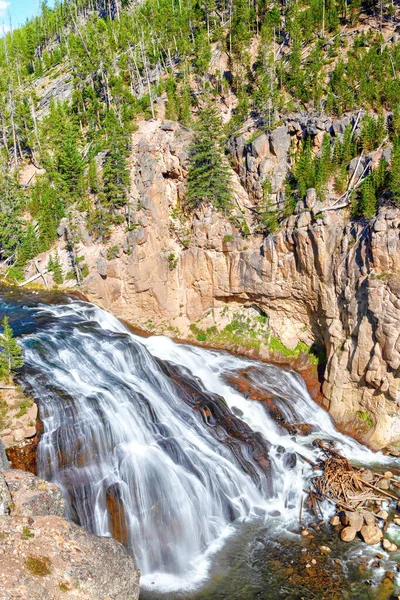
(45,557)
(260,146)
(382,514)
(289,460)
(303,220)
(49,558)
(102,267)
(348,534)
(369,518)
(311,197)
(383,484)
(356,167)
(388,545)
(371,534)
(32,496)
(279,140)
(335,520)
(353,519)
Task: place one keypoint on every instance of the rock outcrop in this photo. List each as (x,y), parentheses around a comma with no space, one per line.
(43,556)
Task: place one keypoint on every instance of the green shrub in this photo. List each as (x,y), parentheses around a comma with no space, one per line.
(112,252)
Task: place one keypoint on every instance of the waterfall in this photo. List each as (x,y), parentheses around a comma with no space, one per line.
(151,442)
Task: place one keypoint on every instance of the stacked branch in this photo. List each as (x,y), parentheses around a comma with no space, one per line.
(348,487)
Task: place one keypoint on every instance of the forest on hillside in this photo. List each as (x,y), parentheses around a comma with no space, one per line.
(321,56)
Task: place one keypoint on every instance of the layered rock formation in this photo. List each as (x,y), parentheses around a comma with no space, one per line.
(43,556)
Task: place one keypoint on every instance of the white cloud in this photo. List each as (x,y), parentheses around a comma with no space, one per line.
(4,29)
(3,7)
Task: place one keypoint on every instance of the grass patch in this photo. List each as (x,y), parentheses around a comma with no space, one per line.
(23,407)
(38,565)
(365,416)
(252,332)
(27,533)
(4,417)
(64,587)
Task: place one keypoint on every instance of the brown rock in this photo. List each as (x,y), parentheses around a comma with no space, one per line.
(388,545)
(369,518)
(354,520)
(383,484)
(335,520)
(348,534)
(56,551)
(382,514)
(371,534)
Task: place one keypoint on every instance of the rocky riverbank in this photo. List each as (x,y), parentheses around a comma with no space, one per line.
(44,556)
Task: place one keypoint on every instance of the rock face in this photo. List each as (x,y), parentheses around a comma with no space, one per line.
(32,496)
(43,556)
(320,279)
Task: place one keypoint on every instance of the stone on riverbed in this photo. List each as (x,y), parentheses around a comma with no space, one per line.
(383,514)
(348,534)
(389,546)
(369,518)
(352,519)
(371,534)
(335,521)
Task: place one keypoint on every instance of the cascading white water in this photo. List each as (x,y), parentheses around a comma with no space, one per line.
(119,429)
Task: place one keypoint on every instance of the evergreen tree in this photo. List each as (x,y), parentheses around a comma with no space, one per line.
(394,178)
(70,164)
(10,352)
(115,176)
(54,265)
(208,177)
(93,179)
(29,247)
(367,205)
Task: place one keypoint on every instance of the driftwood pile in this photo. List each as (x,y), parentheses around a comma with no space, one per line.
(350,488)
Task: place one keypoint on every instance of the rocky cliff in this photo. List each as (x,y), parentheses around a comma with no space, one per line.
(43,556)
(322,279)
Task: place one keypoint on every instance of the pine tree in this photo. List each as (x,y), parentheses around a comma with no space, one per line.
(208,178)
(29,247)
(368,198)
(70,164)
(10,352)
(54,265)
(57,269)
(394,178)
(115,176)
(93,179)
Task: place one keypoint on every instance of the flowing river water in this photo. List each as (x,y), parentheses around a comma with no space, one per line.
(157,444)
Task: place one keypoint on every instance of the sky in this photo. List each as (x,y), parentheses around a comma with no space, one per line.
(20,10)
